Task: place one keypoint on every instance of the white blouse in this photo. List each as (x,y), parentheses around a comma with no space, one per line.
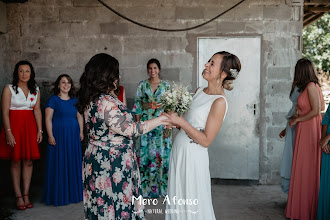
(20,102)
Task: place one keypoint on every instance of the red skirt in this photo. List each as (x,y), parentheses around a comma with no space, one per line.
(24,128)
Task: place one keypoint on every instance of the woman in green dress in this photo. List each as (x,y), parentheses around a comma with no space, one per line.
(155,147)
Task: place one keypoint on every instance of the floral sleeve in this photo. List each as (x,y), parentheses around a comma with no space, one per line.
(121,124)
(137,107)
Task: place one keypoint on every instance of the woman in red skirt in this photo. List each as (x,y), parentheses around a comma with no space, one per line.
(22,129)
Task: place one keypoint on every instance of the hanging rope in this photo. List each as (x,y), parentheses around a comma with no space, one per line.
(168,30)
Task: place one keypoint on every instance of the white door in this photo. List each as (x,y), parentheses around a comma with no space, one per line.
(234,154)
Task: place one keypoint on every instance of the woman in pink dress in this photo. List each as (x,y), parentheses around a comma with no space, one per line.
(305,173)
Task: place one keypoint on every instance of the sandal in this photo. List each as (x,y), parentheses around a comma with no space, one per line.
(20,207)
(30,205)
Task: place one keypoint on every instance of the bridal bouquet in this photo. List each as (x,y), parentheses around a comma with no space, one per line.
(177,99)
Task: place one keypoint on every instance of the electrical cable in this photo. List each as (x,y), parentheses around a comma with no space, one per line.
(168,30)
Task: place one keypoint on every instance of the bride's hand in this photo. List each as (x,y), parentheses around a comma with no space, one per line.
(164,121)
(172,117)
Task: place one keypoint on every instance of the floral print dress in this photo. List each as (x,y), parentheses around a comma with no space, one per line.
(110,171)
(155,149)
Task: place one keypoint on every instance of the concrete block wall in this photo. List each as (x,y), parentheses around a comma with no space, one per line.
(60,36)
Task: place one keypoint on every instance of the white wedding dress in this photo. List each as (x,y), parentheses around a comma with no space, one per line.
(189,179)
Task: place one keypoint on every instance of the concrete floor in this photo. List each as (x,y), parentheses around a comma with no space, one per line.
(230,203)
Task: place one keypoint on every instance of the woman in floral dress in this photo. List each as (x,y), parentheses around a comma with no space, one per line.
(110,172)
(155,147)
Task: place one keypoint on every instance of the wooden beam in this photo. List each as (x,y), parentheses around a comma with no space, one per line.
(319,9)
(312,19)
(316,2)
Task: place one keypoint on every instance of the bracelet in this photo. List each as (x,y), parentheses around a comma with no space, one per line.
(8,129)
(41,131)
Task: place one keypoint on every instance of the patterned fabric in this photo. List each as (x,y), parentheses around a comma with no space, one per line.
(155,149)
(110,172)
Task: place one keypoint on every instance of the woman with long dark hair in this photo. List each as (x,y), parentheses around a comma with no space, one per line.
(63,175)
(110,173)
(22,122)
(305,172)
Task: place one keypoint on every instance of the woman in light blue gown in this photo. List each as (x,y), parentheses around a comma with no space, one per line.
(288,132)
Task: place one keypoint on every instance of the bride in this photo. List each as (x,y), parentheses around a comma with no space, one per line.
(189,186)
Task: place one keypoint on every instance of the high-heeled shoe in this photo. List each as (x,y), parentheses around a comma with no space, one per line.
(30,205)
(20,207)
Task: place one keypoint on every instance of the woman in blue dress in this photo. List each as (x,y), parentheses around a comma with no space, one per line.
(288,132)
(63,176)
(323,211)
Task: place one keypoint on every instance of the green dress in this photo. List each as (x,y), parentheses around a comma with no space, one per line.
(155,149)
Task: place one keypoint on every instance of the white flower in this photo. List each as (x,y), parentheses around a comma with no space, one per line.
(234,72)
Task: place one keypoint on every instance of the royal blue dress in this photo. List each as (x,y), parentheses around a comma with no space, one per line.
(323,210)
(63,174)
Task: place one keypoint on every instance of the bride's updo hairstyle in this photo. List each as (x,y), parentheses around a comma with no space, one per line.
(230,65)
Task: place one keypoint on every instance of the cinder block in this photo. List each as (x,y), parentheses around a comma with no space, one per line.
(279,117)
(279,73)
(273,132)
(137,13)
(46,29)
(86,3)
(60,2)
(114,28)
(290,27)
(3,18)
(278,13)
(37,44)
(284,43)
(160,14)
(205,29)
(186,13)
(295,2)
(85,29)
(43,14)
(259,27)
(62,60)
(133,75)
(268,2)
(69,14)
(211,11)
(107,44)
(279,88)
(286,58)
(179,59)
(225,27)
(249,13)
(36,58)
(44,74)
(171,74)
(76,44)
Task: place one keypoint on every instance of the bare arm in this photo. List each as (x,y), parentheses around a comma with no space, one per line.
(212,127)
(5,105)
(118,122)
(38,117)
(124,97)
(81,125)
(322,102)
(314,99)
(49,112)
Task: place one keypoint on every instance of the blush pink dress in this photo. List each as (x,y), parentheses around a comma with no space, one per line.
(305,173)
